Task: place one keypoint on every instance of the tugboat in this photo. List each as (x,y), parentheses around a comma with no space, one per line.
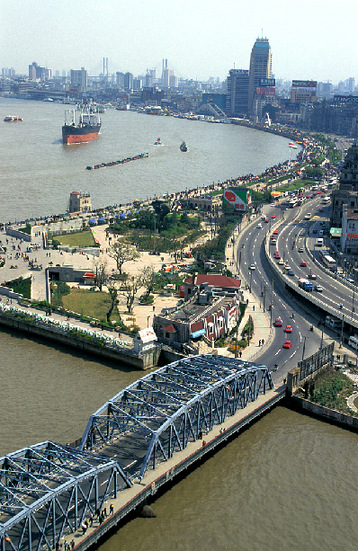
(183,147)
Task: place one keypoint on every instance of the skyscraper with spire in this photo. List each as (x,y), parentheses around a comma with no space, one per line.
(260,68)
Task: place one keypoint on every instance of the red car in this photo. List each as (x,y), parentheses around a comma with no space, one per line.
(287,344)
(273,216)
(278,322)
(267,220)
(303,264)
(288,329)
(275,232)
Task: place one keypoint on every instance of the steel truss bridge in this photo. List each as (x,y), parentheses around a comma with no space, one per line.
(151,419)
(47,490)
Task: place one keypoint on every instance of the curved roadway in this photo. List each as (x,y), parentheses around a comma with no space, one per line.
(294,232)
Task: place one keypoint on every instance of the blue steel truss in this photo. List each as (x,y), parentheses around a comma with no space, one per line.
(48,489)
(160,413)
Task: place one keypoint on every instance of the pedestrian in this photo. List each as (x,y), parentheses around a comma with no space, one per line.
(240,353)
(259,343)
(111,509)
(253,307)
(263,342)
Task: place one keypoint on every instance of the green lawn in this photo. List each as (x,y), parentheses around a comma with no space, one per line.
(79,239)
(89,303)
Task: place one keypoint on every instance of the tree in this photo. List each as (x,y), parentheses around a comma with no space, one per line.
(113,293)
(100,273)
(148,278)
(130,289)
(122,252)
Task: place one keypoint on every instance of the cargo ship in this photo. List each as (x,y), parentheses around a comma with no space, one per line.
(83,129)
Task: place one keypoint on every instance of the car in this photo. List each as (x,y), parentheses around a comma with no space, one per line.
(287,267)
(252,267)
(281,261)
(273,216)
(318,288)
(278,322)
(301,250)
(288,329)
(290,272)
(287,344)
(312,276)
(303,264)
(259,225)
(267,220)
(275,232)
(308,215)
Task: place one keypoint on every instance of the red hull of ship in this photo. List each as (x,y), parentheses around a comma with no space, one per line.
(79,138)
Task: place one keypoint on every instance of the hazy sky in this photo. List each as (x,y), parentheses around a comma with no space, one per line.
(309,39)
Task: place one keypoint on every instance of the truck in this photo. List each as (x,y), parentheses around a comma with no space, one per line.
(305,284)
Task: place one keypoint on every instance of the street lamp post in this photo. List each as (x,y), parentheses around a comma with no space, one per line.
(250,280)
(304,347)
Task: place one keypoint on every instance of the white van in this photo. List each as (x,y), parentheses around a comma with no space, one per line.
(319,242)
(353,342)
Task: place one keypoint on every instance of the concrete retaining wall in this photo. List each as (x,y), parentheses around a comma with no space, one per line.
(332,415)
(143,361)
(18,234)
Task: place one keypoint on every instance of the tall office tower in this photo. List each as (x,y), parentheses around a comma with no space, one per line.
(79,79)
(237,98)
(165,74)
(260,67)
(128,81)
(120,79)
(150,77)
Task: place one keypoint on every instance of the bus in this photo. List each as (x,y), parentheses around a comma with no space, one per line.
(328,260)
(353,342)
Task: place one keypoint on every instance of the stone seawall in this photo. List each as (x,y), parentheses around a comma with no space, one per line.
(327,414)
(146,360)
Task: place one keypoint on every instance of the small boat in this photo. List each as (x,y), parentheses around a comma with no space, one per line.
(183,147)
(12,118)
(158,142)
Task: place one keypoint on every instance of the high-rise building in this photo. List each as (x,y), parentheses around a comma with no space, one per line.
(237,99)
(260,68)
(79,79)
(128,81)
(38,73)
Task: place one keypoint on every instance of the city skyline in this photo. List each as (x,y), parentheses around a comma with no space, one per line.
(310,40)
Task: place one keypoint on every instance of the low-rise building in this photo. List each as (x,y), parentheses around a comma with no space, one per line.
(80,202)
(210,312)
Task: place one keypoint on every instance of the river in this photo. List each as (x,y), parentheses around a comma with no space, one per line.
(38,172)
(288,482)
